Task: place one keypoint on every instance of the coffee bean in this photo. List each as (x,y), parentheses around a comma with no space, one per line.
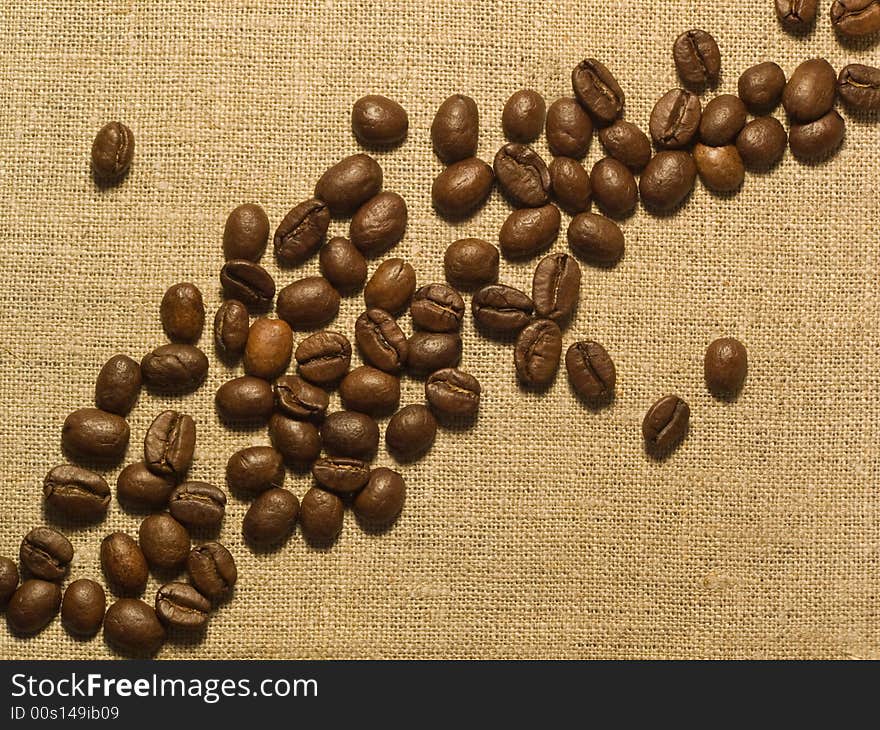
(529,231)
(8,580)
(246,233)
(299,442)
(437,308)
(432,351)
(33,606)
(762,143)
(271,517)
(569,129)
(555,287)
(45,553)
(725,367)
(381,341)
(761,86)
(132,627)
(164,542)
(597,91)
(349,184)
(796,16)
(231,327)
(174,368)
(859,87)
(342,474)
(522,175)
(349,433)
(245,399)
(197,504)
(391,286)
(255,469)
(382,499)
(182,313)
(124,564)
(697,58)
(675,119)
(268,349)
(471,262)
(301,232)
(667,180)
(247,282)
(343,265)
(212,570)
(112,152)
(722,120)
(297,398)
(118,385)
(721,168)
(462,188)
(811,90)
(570,185)
(522,118)
(83,606)
(596,239)
(378,121)
(537,352)
(614,187)
(591,371)
(456,129)
(370,391)
(308,303)
(453,392)
(323,357)
(90,432)
(169,444)
(321,517)
(665,425)
(817,140)
(502,308)
(137,486)
(624,141)
(411,432)
(379,224)
(180,606)
(856,18)
(77,493)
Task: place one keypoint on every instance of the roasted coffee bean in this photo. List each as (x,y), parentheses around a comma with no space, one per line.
(349,433)
(321,517)
(665,425)
(856,18)
(570,185)
(349,184)
(667,180)
(859,87)
(761,86)
(522,175)
(83,606)
(614,187)
(537,352)
(247,282)
(174,368)
(811,90)
(529,231)
(246,233)
(462,188)
(471,262)
(164,542)
(182,312)
(118,385)
(697,58)
(124,564)
(245,399)
(456,129)
(411,431)
(323,357)
(725,366)
(299,442)
(255,469)
(675,119)
(8,580)
(343,265)
(437,308)
(382,499)
(271,517)
(212,570)
(721,168)
(817,140)
(391,286)
(33,606)
(197,504)
(180,606)
(268,349)
(381,341)
(90,432)
(596,239)
(76,492)
(796,16)
(378,121)
(379,224)
(301,232)
(137,486)
(762,143)
(569,129)
(722,120)
(342,474)
(555,287)
(231,328)
(523,116)
(597,91)
(308,303)
(169,444)
(133,627)
(45,553)
(370,391)
(298,398)
(432,351)
(624,141)
(591,370)
(502,308)
(112,152)
(453,392)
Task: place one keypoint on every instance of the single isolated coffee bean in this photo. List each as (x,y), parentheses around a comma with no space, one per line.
(118,385)
(212,570)
(83,606)
(411,432)
(859,87)
(856,18)
(271,517)
(308,303)
(665,425)
(324,357)
(124,564)
(321,517)
(231,328)
(455,130)
(378,121)
(174,368)
(33,606)
(197,504)
(522,175)
(297,398)
(811,90)
(624,141)
(667,180)
(471,262)
(522,118)
(138,487)
(796,16)
(382,499)
(391,286)
(164,542)
(246,233)
(268,348)
(697,58)
(595,239)
(721,168)
(597,91)
(537,351)
(76,492)
(614,187)
(301,232)
(502,308)
(132,627)
(760,87)
(255,469)
(461,188)
(112,152)
(182,312)
(349,184)
(247,282)
(723,118)
(169,444)
(8,580)
(380,340)
(180,606)
(342,474)
(817,140)
(298,441)
(45,553)
(349,433)
(591,371)
(675,119)
(93,433)
(569,129)
(245,399)
(370,391)
(343,265)
(437,308)
(453,392)
(762,143)
(556,286)
(432,351)
(570,185)
(528,231)
(379,224)
(725,366)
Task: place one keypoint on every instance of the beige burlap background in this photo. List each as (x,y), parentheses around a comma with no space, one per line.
(544,531)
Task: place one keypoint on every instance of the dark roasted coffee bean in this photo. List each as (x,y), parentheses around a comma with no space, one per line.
(856,18)
(432,351)
(665,425)
(343,265)
(349,433)
(555,287)
(33,606)
(83,606)
(596,239)
(723,118)
(859,87)
(502,308)
(349,184)
(164,542)
(597,91)
(529,231)
(378,121)
(720,168)
(137,486)
(456,129)
(169,444)
(537,352)
(437,308)
(725,366)
(301,232)
(182,313)
(471,262)
(112,152)
(411,431)
(124,564)
(298,441)
(76,492)
(255,469)
(342,474)
(811,90)
(570,184)
(231,327)
(675,119)
(8,580)
(118,385)
(298,398)
(180,606)
(247,282)
(370,391)
(271,517)
(697,58)
(569,129)
(268,349)
(246,233)
(761,86)
(523,116)
(45,553)
(91,432)
(591,370)
(381,341)
(614,187)
(212,570)
(453,392)
(462,188)
(391,286)
(379,224)
(174,368)
(323,357)
(321,518)
(382,499)
(796,16)
(624,141)
(667,180)
(133,628)
(817,140)
(762,143)
(522,175)
(196,504)
(308,303)
(245,399)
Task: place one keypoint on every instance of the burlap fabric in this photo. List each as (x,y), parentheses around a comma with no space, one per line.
(544,531)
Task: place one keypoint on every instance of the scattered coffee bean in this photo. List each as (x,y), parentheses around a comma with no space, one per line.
(721,168)
(796,16)
(761,86)
(308,303)
(522,118)
(342,474)
(164,542)
(118,385)
(569,129)
(297,398)
(411,431)
(174,368)
(437,308)
(271,517)
(255,469)
(76,492)
(8,580)
(343,265)
(762,143)
(725,367)
(378,121)
(614,187)
(570,185)
(522,175)
(321,517)
(502,308)
(817,140)
(323,357)
(268,349)
(667,180)
(133,627)
(349,433)
(382,499)
(301,232)
(180,606)
(456,129)
(665,425)
(169,444)
(537,352)
(349,184)
(247,282)
(137,486)
(453,392)
(298,441)
(231,328)
(432,351)
(381,341)
(597,91)
(555,287)
(471,262)
(697,58)
(197,504)
(182,313)
(811,90)
(391,286)
(591,371)
(112,152)
(723,118)
(245,399)
(246,233)
(379,224)
(33,606)
(45,553)
(528,231)
(90,432)
(83,606)
(675,119)
(370,391)
(624,141)
(462,188)
(859,87)
(212,570)
(596,239)
(856,18)
(124,564)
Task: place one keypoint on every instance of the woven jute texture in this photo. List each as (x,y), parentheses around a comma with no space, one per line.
(544,530)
